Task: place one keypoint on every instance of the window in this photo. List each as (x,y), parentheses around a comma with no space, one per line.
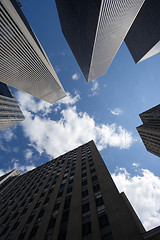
(85,215)
(95,182)
(72,177)
(92,170)
(98,194)
(103,221)
(84,183)
(86,228)
(94,178)
(62,231)
(83,168)
(70,185)
(84,193)
(67,203)
(100,208)
(70,181)
(85,207)
(56,206)
(46,200)
(99,201)
(65,216)
(84,188)
(84,175)
(41,213)
(96,188)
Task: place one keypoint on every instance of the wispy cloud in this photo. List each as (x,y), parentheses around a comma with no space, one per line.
(116,111)
(73,128)
(28,154)
(135,164)
(65,52)
(94,89)
(69,100)
(30,104)
(16,165)
(143,192)
(57,69)
(75,76)
(7,134)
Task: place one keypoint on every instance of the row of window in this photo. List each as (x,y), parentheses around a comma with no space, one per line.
(31,199)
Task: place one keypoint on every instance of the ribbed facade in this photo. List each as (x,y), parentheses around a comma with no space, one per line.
(143,38)
(95,30)
(23,62)
(150,130)
(71,197)
(10,113)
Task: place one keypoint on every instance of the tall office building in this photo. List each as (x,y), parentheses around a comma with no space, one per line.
(71,197)
(23,62)
(10,113)
(150,130)
(95,30)
(143,38)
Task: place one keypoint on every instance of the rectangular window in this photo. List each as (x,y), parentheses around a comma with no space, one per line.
(86,228)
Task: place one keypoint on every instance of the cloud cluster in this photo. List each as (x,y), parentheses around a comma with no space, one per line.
(94,88)
(72,129)
(7,134)
(28,103)
(143,192)
(18,166)
(28,154)
(75,76)
(116,111)
(135,164)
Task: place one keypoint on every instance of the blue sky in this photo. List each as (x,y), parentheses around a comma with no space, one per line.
(105,110)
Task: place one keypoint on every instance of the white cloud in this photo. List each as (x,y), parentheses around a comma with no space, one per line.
(7,134)
(71,130)
(69,100)
(18,166)
(31,104)
(23,168)
(28,154)
(143,191)
(116,111)
(57,69)
(94,88)
(135,164)
(16,149)
(2,172)
(75,76)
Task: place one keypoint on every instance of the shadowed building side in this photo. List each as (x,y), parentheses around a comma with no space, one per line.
(10,112)
(150,130)
(143,38)
(23,62)
(95,30)
(71,197)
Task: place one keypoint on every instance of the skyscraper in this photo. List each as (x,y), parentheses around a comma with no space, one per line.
(10,113)
(95,30)
(150,130)
(143,38)
(71,197)
(23,62)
